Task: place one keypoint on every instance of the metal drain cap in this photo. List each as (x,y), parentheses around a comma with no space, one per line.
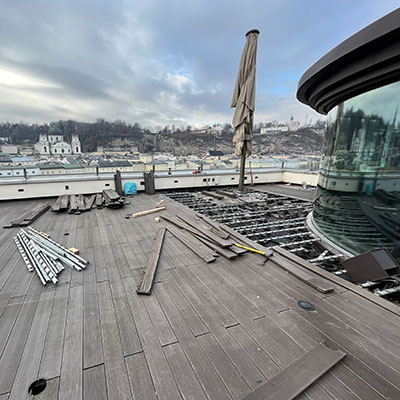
(37,387)
(305,305)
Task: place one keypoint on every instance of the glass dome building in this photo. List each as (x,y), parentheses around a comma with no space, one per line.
(357,84)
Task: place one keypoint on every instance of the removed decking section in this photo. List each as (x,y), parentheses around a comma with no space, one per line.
(207,331)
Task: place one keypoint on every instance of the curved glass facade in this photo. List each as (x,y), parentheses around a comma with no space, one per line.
(358,204)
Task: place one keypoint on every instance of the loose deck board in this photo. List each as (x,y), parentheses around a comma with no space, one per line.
(293,380)
(152,262)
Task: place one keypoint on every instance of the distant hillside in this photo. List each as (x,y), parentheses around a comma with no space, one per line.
(101,133)
(91,134)
(301,142)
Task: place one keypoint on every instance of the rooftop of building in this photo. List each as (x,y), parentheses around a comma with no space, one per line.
(115,163)
(51,166)
(73,166)
(22,159)
(207,331)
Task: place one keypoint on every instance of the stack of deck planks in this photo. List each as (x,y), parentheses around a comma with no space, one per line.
(204,237)
(112,199)
(29,217)
(78,203)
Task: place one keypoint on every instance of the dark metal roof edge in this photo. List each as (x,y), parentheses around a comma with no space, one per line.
(363,53)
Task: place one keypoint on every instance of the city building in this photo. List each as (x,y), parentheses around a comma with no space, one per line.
(53,143)
(9,148)
(74,169)
(113,166)
(293,125)
(274,129)
(5,159)
(23,160)
(52,169)
(357,85)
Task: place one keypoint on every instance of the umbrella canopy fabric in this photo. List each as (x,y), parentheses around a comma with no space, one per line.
(244,94)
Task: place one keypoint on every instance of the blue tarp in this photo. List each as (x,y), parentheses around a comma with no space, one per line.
(130,188)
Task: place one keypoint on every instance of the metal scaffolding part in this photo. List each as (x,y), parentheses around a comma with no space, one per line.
(45,256)
(23,254)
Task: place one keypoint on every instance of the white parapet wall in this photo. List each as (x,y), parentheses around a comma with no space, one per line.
(51,186)
(299,177)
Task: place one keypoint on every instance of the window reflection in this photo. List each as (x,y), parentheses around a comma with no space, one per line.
(359,190)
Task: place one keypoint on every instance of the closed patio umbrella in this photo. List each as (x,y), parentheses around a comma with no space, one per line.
(243,100)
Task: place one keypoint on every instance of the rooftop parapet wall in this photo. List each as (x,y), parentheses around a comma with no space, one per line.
(51,186)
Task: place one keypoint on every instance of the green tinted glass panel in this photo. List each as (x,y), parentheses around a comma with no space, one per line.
(359,192)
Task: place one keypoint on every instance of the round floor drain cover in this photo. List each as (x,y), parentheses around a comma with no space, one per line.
(305,305)
(37,387)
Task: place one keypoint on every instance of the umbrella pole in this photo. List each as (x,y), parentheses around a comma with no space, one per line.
(242,166)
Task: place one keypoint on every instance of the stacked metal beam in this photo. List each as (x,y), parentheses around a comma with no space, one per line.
(45,256)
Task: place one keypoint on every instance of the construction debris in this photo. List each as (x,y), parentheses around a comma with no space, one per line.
(153,210)
(205,241)
(194,244)
(45,256)
(151,266)
(76,204)
(29,217)
(213,194)
(112,199)
(75,251)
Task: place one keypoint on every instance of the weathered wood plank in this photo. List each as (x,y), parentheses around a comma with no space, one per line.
(360,367)
(186,309)
(235,383)
(319,284)
(210,235)
(238,357)
(162,377)
(243,239)
(71,371)
(53,348)
(223,313)
(116,374)
(94,383)
(298,376)
(259,357)
(161,325)
(92,342)
(139,377)
(183,373)
(190,242)
(210,381)
(215,225)
(14,348)
(8,318)
(151,265)
(30,361)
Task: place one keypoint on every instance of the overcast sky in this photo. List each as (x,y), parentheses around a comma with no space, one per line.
(161,62)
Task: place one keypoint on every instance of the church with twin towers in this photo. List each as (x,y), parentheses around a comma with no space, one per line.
(52,143)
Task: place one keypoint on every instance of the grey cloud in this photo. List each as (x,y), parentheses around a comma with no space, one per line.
(129,59)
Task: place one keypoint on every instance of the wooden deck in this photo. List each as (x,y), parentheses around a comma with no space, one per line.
(208,331)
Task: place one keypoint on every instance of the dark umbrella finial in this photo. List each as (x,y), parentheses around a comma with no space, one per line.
(253,31)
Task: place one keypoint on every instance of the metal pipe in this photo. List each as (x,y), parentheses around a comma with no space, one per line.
(59,245)
(56,249)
